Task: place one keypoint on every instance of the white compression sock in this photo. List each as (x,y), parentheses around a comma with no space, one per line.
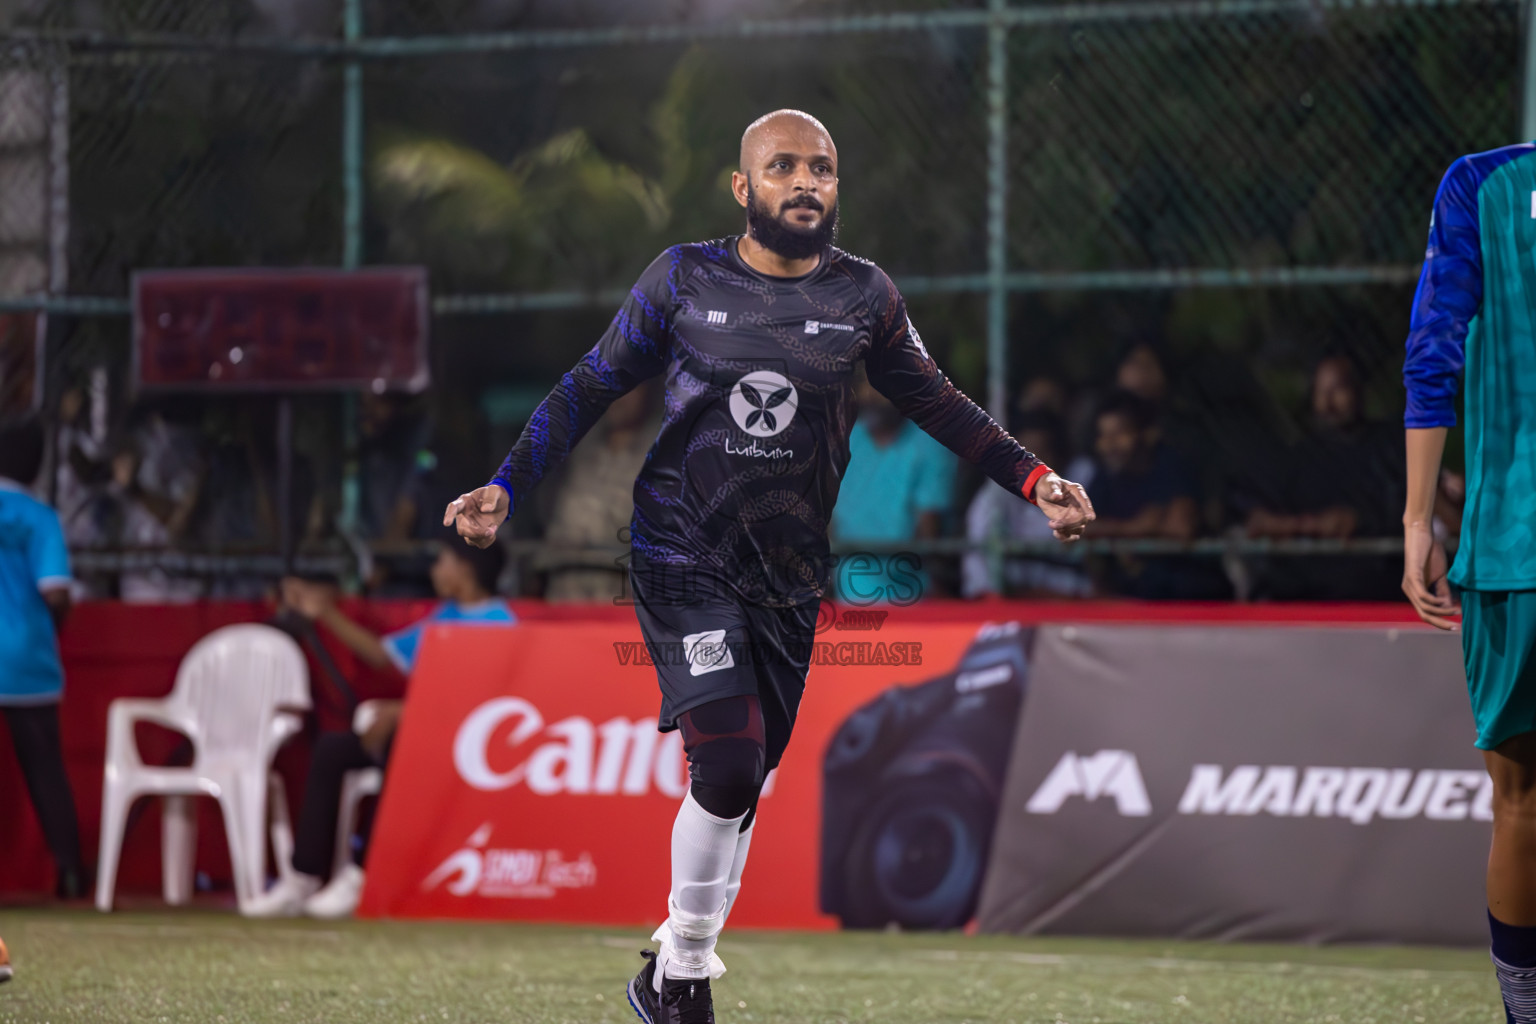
(733,883)
(704,856)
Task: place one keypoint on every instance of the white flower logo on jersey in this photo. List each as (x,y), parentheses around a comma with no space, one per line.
(763,403)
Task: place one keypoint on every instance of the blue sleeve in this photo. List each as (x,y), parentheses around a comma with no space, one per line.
(403,645)
(635,347)
(1449,295)
(48,553)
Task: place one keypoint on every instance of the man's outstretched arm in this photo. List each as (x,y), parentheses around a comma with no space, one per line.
(900,368)
(634,348)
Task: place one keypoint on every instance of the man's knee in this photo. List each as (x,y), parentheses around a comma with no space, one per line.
(1512,766)
(727,774)
(724,743)
(1514,799)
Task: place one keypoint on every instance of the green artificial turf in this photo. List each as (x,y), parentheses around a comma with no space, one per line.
(198,966)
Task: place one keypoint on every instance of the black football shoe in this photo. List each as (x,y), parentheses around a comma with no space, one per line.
(683,1000)
(686,1001)
(642,991)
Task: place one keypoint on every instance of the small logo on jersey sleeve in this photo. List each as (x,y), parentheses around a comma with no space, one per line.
(715,316)
(917,342)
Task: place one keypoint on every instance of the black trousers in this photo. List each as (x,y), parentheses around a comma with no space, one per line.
(314,849)
(35,735)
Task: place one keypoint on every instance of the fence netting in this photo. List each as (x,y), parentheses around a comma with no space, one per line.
(1239,192)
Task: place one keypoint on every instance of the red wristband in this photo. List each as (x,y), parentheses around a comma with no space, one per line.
(1033,479)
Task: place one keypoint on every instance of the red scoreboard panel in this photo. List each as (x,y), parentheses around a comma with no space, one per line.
(281,330)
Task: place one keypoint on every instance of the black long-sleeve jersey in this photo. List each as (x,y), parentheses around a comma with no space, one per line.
(741,480)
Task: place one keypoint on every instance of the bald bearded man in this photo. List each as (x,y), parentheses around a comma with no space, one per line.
(758,336)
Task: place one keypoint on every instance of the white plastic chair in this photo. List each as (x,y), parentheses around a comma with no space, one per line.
(237,697)
(356,786)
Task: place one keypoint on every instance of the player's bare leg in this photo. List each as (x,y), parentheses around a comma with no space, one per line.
(1512,860)
(1512,873)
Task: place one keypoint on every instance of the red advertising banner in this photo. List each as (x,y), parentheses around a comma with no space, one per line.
(112,650)
(528,781)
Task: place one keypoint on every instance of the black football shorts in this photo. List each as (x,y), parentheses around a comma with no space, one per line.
(708,642)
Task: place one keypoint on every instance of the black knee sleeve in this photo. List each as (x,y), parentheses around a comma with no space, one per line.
(725,747)
(746,822)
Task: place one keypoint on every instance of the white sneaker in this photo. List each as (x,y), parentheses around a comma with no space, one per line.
(339,898)
(285,899)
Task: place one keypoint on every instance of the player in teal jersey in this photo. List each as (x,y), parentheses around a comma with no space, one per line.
(1474,316)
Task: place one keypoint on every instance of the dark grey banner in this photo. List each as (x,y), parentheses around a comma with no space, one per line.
(1235,783)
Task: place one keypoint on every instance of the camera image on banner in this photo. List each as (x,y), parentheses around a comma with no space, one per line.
(540,789)
(912,782)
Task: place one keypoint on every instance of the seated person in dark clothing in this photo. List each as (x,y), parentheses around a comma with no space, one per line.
(1143,491)
(1362,464)
(1140,487)
(464,578)
(1142,373)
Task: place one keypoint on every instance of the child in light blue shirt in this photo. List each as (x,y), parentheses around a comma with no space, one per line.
(34,600)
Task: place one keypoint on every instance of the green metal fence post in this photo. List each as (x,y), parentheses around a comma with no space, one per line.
(352,238)
(997,209)
(997,241)
(352,142)
(1528,104)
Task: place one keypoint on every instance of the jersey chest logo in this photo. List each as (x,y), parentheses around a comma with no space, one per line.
(763,403)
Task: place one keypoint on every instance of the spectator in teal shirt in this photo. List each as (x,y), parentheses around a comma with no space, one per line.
(899,487)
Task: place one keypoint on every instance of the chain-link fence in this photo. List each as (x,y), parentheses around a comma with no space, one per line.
(1241,187)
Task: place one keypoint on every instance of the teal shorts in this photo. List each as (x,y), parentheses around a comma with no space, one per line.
(1498,640)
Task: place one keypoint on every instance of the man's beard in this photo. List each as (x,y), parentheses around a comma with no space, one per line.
(773,234)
